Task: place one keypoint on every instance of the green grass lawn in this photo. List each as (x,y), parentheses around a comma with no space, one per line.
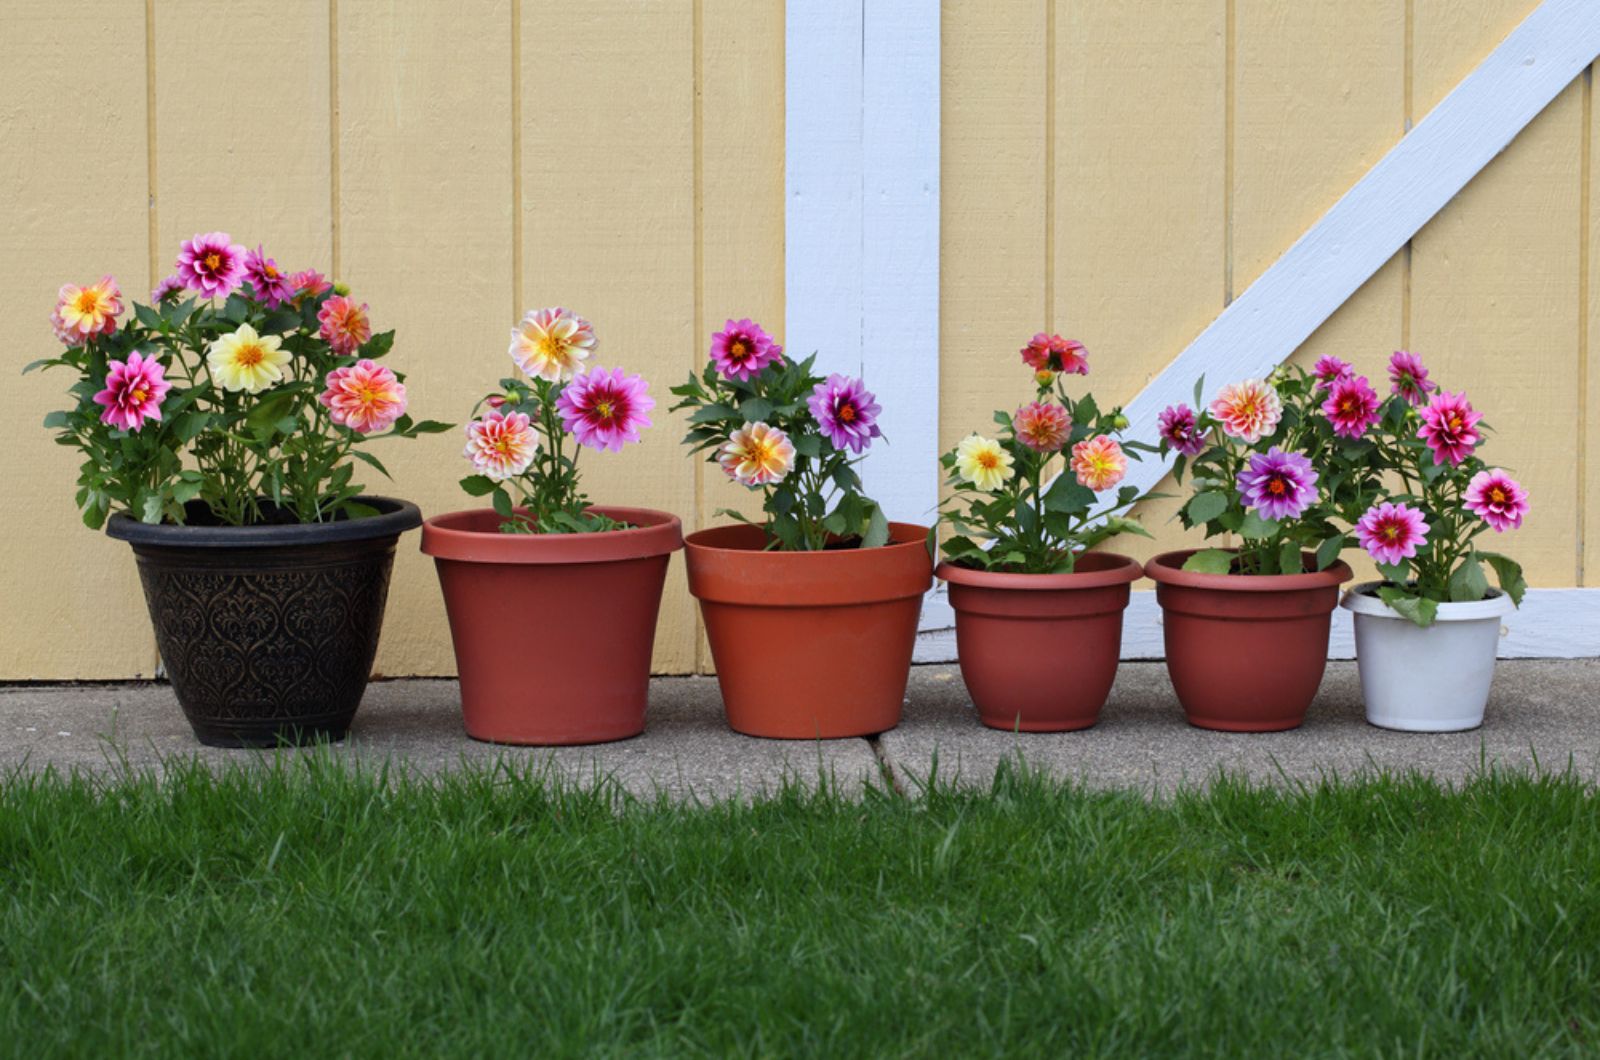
(311,911)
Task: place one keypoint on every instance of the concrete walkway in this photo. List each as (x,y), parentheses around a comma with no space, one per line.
(1541,712)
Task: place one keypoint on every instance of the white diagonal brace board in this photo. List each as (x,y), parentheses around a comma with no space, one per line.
(1376,217)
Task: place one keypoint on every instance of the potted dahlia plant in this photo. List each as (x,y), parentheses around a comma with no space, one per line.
(812,611)
(1428,632)
(541,548)
(1026,507)
(1275,464)
(219,427)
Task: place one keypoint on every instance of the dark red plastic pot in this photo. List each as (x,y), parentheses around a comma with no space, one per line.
(1245,652)
(552,632)
(810,645)
(1039,652)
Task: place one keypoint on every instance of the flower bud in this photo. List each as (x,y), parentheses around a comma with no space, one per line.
(496,401)
(1119,421)
(342,290)
(1044,377)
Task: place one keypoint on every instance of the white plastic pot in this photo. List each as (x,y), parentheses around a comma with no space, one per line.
(1426,679)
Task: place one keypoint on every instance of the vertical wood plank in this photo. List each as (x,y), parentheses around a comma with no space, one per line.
(1138,261)
(1589,455)
(426,238)
(740,214)
(255,165)
(608,228)
(73,206)
(1494,290)
(1307,126)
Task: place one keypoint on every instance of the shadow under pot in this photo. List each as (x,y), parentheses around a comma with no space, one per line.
(810,645)
(1426,679)
(1039,652)
(552,633)
(1246,653)
(268,632)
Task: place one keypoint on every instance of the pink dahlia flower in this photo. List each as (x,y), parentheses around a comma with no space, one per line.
(603,409)
(1391,532)
(501,446)
(1277,484)
(1042,426)
(1052,353)
(1498,499)
(1249,411)
(170,287)
(212,264)
(1099,462)
(365,396)
(309,283)
(1180,429)
(757,455)
(1352,406)
(1329,370)
(846,411)
(1408,377)
(1449,426)
(133,393)
(552,344)
(272,285)
(84,312)
(345,325)
(742,349)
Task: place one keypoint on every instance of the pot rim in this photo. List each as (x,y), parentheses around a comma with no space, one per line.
(901,536)
(394,518)
(1360,600)
(655,533)
(1167,569)
(1124,570)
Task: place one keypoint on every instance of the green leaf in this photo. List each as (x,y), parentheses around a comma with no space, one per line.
(150,510)
(877,533)
(478,485)
(357,510)
(1418,609)
(502,504)
(43,362)
(710,413)
(432,427)
(1328,551)
(1289,559)
(58,418)
(809,445)
(1205,507)
(1255,527)
(1210,561)
(371,461)
(1508,572)
(1396,573)
(1067,496)
(149,317)
(1467,581)
(755,410)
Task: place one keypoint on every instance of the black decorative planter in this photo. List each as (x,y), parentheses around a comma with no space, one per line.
(268,632)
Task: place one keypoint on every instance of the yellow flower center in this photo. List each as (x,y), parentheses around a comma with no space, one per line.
(1347,406)
(1455,423)
(605,410)
(138,395)
(1497,495)
(213,261)
(87,302)
(1391,532)
(988,460)
(738,350)
(249,355)
(501,446)
(847,413)
(270,271)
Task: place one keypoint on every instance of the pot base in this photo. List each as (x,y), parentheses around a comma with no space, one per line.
(997,722)
(1435,725)
(1230,725)
(271,735)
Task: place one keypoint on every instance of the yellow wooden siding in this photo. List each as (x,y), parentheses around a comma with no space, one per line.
(1112,170)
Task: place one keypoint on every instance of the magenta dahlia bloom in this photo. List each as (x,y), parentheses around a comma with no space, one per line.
(1498,499)
(1329,370)
(1449,426)
(170,287)
(133,393)
(846,411)
(1180,429)
(604,409)
(1352,406)
(1408,377)
(212,264)
(1052,353)
(309,283)
(272,285)
(1391,532)
(1277,484)
(742,349)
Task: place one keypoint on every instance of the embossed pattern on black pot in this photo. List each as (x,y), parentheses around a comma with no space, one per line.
(268,632)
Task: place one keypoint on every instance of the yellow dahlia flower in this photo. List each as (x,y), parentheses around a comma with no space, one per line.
(983,462)
(247,361)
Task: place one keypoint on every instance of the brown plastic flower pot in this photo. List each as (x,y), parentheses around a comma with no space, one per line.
(1245,652)
(552,632)
(810,645)
(1039,652)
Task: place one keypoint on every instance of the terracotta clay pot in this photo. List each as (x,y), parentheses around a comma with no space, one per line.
(1039,651)
(810,645)
(552,632)
(268,631)
(1245,653)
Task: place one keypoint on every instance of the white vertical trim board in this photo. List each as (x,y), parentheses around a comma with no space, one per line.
(1551,624)
(861,218)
